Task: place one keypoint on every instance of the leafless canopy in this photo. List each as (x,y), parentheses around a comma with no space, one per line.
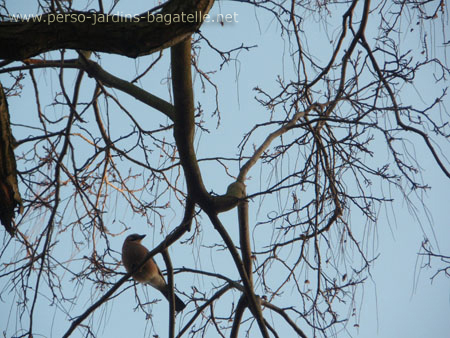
(99,152)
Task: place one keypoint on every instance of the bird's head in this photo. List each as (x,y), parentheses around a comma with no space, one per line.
(134,238)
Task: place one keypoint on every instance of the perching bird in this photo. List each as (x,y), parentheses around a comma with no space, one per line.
(133,253)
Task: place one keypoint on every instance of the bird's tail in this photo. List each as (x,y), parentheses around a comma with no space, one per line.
(179,304)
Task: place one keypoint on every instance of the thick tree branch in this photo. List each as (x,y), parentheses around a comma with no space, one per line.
(171,298)
(95,71)
(252,300)
(99,32)
(184,122)
(240,308)
(280,131)
(244,239)
(9,189)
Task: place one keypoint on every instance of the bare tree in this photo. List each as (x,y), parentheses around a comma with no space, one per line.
(338,133)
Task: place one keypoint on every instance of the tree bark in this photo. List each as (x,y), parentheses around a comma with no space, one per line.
(9,189)
(184,121)
(139,35)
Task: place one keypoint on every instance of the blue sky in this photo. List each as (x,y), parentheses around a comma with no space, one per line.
(398,300)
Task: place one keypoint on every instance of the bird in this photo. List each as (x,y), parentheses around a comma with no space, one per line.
(133,253)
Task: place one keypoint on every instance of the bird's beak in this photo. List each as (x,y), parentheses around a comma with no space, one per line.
(141,237)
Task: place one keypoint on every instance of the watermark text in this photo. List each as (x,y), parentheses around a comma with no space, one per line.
(99,18)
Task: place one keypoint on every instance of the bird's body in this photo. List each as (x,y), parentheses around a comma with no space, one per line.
(133,253)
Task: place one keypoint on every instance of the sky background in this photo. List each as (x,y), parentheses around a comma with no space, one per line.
(399,300)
